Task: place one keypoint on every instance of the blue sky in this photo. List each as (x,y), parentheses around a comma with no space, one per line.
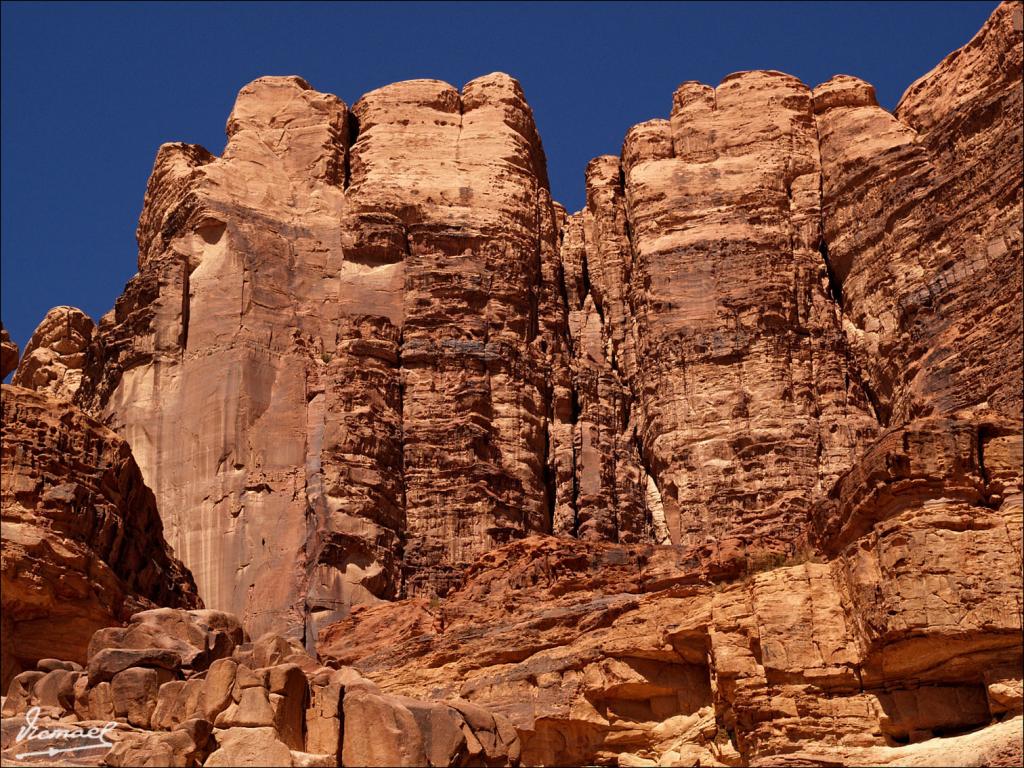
(91,90)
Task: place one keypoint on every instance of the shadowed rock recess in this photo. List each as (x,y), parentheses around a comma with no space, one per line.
(383,458)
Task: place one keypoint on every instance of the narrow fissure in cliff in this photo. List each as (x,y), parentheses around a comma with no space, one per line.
(980,450)
(186,288)
(352,128)
(549,480)
(880,412)
(835,287)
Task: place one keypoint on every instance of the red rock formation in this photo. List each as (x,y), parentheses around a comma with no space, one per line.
(448,191)
(702,250)
(922,213)
(184,688)
(57,353)
(366,307)
(8,353)
(724,468)
(82,539)
(601,653)
(863,465)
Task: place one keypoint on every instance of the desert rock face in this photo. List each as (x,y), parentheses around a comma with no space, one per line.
(364,303)
(8,353)
(702,250)
(923,223)
(188,687)
(734,382)
(56,354)
(724,469)
(82,539)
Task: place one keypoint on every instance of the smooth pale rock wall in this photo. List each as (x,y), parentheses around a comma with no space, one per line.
(83,546)
(340,354)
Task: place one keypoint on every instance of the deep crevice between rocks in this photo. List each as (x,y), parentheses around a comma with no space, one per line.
(185,307)
(352,128)
(835,288)
(880,412)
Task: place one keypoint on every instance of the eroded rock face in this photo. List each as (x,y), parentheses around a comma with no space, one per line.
(8,353)
(744,388)
(712,302)
(56,355)
(365,305)
(724,469)
(922,212)
(82,540)
(600,653)
(186,688)
(444,360)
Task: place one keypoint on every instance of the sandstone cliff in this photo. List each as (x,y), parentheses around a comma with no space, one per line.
(8,353)
(335,364)
(82,540)
(751,376)
(725,467)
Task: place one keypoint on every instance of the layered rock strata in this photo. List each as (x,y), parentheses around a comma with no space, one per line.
(778,317)
(922,212)
(82,539)
(425,357)
(724,468)
(335,364)
(56,355)
(711,299)
(906,629)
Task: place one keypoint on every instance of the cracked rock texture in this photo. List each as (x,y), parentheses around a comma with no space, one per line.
(340,356)
(56,355)
(8,353)
(922,212)
(82,539)
(743,388)
(725,468)
(188,688)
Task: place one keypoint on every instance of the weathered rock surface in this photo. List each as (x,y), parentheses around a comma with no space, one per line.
(599,653)
(381,288)
(247,708)
(709,295)
(870,491)
(431,335)
(922,212)
(8,353)
(724,469)
(57,353)
(82,540)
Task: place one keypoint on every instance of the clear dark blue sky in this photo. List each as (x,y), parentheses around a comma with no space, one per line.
(90,91)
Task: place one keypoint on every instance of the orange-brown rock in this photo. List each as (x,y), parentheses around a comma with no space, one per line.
(710,296)
(724,469)
(82,540)
(398,353)
(161,712)
(8,353)
(56,355)
(922,212)
(600,653)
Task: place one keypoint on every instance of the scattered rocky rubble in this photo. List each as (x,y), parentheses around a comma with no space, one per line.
(186,688)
